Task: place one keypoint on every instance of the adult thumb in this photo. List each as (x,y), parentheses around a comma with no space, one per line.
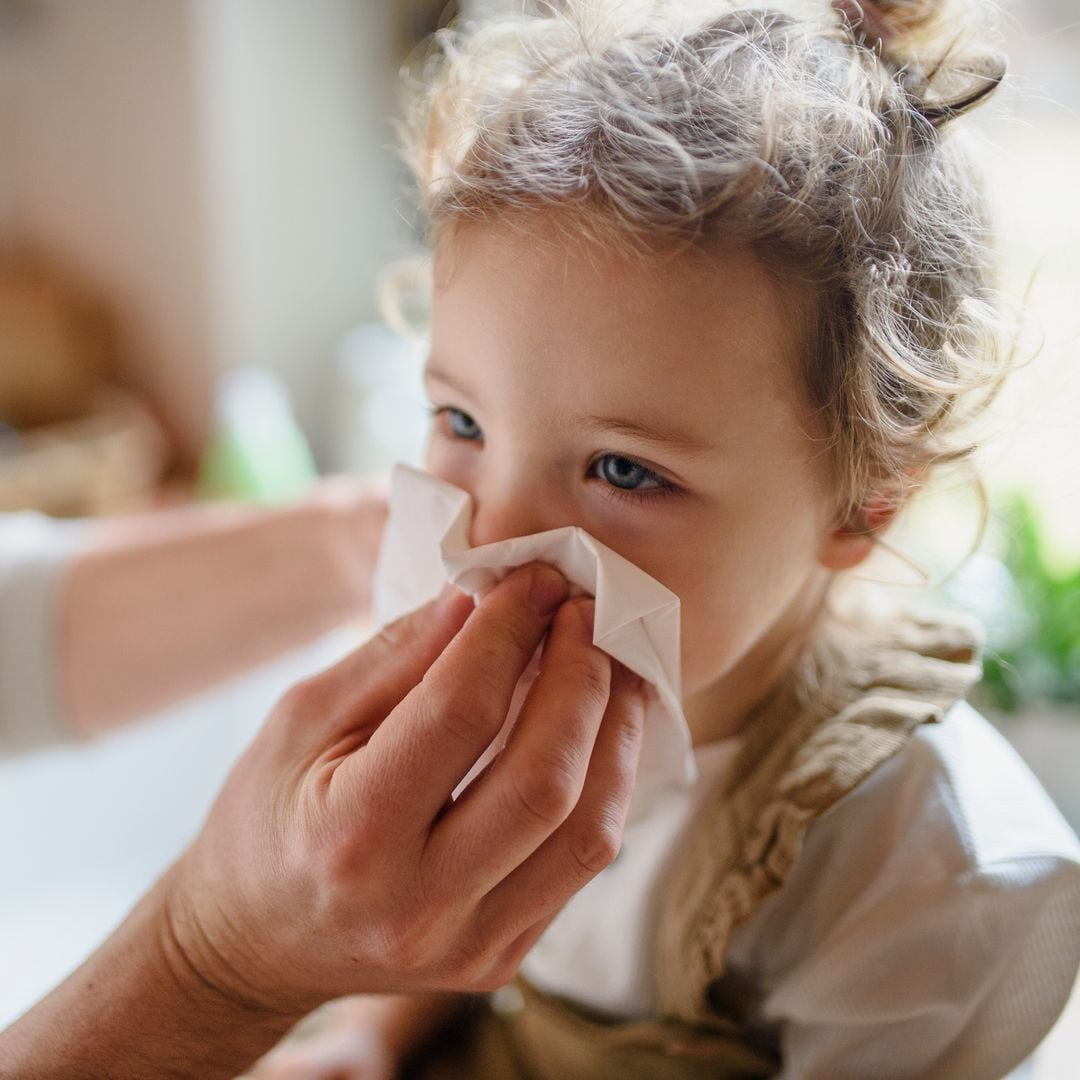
(374,678)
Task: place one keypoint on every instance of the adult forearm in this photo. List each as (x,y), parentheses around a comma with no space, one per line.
(161,607)
(136,1009)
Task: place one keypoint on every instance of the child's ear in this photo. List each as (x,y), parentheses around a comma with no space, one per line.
(852,540)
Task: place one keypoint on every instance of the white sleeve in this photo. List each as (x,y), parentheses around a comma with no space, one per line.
(931,928)
(34,553)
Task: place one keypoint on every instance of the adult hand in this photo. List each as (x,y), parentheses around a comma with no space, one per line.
(334,860)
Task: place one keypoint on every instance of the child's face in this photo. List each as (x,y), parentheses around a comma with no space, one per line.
(657,405)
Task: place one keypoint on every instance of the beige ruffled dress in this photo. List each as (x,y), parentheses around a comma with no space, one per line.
(851,703)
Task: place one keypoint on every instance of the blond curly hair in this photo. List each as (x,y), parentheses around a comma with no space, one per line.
(819,134)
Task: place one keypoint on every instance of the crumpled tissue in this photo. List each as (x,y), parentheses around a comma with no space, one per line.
(425,544)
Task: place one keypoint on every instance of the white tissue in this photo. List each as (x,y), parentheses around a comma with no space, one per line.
(425,543)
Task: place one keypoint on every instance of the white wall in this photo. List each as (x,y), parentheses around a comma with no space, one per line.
(296,101)
(222,169)
(101,169)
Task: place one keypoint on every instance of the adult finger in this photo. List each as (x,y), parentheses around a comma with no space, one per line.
(536,781)
(368,683)
(518,909)
(442,727)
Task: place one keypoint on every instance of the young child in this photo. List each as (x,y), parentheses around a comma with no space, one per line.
(711,282)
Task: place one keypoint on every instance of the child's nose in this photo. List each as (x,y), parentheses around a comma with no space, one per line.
(502,518)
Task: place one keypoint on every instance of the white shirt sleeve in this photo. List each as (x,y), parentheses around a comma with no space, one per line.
(931,926)
(34,553)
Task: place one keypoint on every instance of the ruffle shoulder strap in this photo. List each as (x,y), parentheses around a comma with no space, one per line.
(850,704)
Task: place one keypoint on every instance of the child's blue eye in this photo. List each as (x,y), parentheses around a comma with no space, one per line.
(624,478)
(461,424)
(630,479)
(623,473)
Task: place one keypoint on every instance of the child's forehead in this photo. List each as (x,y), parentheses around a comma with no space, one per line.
(575,239)
(533,276)
(689,345)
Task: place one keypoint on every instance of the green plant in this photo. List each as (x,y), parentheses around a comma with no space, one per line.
(1035,658)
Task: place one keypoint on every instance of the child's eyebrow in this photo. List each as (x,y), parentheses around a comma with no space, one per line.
(432,372)
(639,429)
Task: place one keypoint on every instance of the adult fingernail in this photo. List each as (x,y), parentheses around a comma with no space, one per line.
(548,590)
(586,608)
(449,596)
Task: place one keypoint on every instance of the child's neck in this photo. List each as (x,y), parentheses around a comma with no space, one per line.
(722,708)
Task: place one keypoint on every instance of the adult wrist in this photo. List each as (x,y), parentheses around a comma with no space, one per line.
(211,1029)
(202,975)
(141,1007)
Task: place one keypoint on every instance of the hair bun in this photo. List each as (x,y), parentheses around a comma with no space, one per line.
(933,48)
(885,23)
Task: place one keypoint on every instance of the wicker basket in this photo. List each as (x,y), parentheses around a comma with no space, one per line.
(107,462)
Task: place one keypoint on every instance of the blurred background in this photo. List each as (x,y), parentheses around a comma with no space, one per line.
(198,202)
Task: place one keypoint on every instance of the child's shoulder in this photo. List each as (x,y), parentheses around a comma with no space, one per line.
(957,810)
(962,783)
(953,782)
(957,780)
(936,904)
(930,902)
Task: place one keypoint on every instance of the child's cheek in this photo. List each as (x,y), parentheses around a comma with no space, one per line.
(706,655)
(721,619)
